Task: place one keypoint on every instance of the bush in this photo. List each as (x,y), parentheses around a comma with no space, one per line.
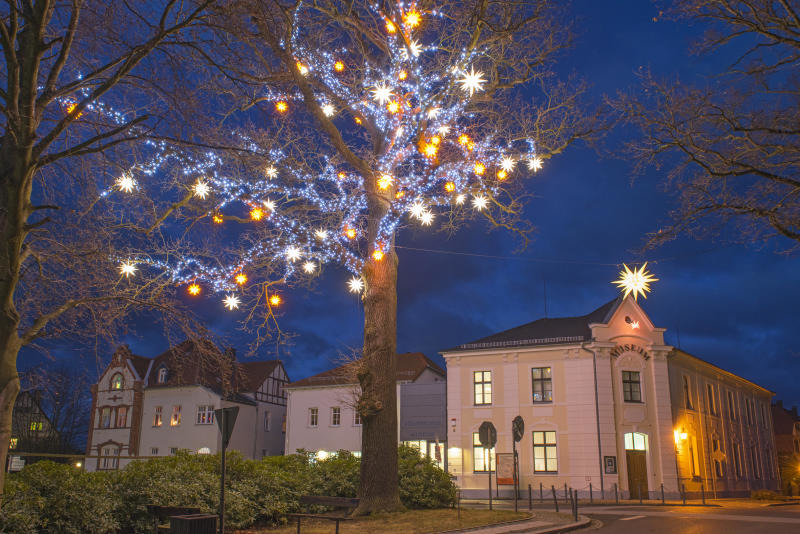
(61,499)
(765,495)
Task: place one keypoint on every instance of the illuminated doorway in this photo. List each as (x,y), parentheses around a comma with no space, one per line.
(636,461)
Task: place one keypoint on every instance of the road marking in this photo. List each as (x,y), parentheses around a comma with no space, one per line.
(632,517)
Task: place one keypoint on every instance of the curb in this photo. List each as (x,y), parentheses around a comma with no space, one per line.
(481,527)
(582,522)
(784,503)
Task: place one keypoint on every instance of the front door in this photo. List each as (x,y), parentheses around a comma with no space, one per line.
(637,473)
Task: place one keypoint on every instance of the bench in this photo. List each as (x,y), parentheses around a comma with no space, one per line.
(340,503)
(161,514)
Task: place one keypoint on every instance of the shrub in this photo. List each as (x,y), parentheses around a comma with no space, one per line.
(422,483)
(765,495)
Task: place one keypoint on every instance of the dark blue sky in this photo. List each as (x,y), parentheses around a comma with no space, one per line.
(732,305)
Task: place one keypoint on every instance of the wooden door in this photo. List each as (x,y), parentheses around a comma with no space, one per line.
(637,473)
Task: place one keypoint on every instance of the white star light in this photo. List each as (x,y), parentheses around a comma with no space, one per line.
(472,81)
(201,189)
(309,267)
(328,110)
(231,302)
(480,202)
(292,253)
(417,209)
(444,130)
(535,163)
(414,47)
(269,204)
(127,269)
(322,235)
(382,93)
(427,218)
(356,285)
(636,282)
(126,183)
(461,198)
(507,164)
(271,172)
(434,112)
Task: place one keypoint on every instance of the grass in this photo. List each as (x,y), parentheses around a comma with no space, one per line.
(410,522)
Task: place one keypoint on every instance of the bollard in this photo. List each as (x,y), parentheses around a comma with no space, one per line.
(590,493)
(662,494)
(640,494)
(616,493)
(530,498)
(575,507)
(683,493)
(555,500)
(541,494)
(565,492)
(703,493)
(458,504)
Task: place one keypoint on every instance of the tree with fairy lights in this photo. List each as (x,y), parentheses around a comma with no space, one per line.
(350,122)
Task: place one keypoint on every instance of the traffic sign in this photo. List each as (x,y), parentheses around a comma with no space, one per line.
(487,434)
(518,428)
(228,420)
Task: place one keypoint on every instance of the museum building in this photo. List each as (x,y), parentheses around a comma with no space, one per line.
(606,405)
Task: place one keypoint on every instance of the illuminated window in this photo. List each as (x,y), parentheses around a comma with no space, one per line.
(175,420)
(719,464)
(117,381)
(631,386)
(480,462)
(313,417)
(635,441)
(13,444)
(157,416)
(482,381)
(122,417)
(105,418)
(542,383)
(336,416)
(356,418)
(545,457)
(36,426)
(693,453)
(205,414)
(267,421)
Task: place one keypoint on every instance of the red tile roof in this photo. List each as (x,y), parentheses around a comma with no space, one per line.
(410,366)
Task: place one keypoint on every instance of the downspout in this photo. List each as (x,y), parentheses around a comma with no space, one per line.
(597,416)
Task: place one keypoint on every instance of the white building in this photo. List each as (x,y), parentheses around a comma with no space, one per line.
(321,417)
(605,401)
(145,407)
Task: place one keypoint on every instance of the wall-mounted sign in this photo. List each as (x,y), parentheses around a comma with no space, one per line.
(619,349)
(610,463)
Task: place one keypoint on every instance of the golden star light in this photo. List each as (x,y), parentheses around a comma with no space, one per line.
(412,19)
(231,302)
(126,183)
(275,300)
(338,66)
(127,269)
(382,93)
(636,282)
(356,285)
(194,289)
(472,81)
(256,214)
(201,189)
(385,182)
(241,279)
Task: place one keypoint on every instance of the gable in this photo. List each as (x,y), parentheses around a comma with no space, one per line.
(628,324)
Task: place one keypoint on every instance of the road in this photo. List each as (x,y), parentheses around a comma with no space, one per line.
(696,520)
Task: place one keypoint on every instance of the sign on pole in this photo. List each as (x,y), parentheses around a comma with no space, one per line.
(518,428)
(226,423)
(487,433)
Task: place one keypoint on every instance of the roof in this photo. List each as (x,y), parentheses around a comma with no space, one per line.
(680,352)
(140,364)
(545,331)
(410,366)
(255,373)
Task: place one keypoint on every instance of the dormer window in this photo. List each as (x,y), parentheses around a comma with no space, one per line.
(162,375)
(117,381)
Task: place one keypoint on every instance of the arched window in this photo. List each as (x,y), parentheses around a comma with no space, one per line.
(117,381)
(162,375)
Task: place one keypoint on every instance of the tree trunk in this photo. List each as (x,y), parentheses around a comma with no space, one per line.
(9,388)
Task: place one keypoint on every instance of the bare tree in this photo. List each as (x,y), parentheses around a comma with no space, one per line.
(77,90)
(340,123)
(731,147)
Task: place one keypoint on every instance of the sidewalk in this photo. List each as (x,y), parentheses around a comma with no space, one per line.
(544,523)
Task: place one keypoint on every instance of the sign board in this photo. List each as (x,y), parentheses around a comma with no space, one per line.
(487,434)
(518,428)
(505,468)
(229,419)
(610,463)
(16,463)
(423,411)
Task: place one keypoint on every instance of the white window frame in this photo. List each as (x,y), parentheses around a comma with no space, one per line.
(483,383)
(336,416)
(545,446)
(158,416)
(205,414)
(175,418)
(313,417)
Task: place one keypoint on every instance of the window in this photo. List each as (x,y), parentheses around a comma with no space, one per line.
(205,414)
(712,404)
(110,456)
(105,418)
(545,459)
(122,417)
(356,417)
(687,396)
(36,426)
(176,416)
(336,416)
(483,387)
(480,462)
(117,381)
(542,384)
(754,463)
(737,460)
(267,421)
(313,416)
(162,375)
(173,450)
(694,457)
(153,451)
(157,416)
(732,405)
(719,464)
(635,441)
(13,443)
(747,412)
(631,386)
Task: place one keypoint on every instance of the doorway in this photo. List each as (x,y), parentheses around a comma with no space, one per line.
(636,462)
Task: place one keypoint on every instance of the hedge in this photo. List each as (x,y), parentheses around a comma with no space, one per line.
(59,498)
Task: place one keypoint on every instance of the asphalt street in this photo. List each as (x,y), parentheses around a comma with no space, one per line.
(696,520)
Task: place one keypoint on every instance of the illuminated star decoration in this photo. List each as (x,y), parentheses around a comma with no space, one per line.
(231,302)
(126,183)
(382,94)
(127,269)
(356,285)
(636,282)
(201,189)
(534,164)
(472,81)
(194,289)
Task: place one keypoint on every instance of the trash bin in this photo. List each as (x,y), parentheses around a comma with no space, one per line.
(193,524)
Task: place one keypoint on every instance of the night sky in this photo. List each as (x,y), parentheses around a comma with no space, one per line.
(734,306)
